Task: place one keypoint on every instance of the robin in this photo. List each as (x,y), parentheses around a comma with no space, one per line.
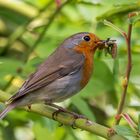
(65,72)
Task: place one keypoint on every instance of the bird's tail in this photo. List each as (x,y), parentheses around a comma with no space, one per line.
(6,110)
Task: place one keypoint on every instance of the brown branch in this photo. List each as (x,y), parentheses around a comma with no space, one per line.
(127,75)
(127,37)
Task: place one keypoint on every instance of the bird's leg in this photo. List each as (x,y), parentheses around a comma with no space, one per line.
(55,113)
(60,109)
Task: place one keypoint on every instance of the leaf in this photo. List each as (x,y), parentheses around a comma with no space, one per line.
(17,11)
(125,132)
(9,66)
(83,107)
(41,133)
(119,3)
(44,133)
(119,10)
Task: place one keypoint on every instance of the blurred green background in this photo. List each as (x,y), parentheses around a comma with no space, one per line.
(31,29)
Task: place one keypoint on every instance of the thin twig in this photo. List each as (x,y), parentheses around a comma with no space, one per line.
(127,75)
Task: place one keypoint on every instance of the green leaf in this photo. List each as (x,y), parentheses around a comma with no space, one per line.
(119,11)
(125,132)
(83,107)
(44,133)
(9,66)
(17,11)
(41,133)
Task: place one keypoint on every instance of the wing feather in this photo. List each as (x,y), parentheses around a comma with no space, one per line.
(49,72)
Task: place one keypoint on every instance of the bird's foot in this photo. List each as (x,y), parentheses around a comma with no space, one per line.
(54,114)
(60,109)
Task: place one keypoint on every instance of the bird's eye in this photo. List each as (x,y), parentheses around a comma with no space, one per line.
(86,38)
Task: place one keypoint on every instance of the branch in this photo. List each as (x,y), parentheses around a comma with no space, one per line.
(127,75)
(127,37)
(67,119)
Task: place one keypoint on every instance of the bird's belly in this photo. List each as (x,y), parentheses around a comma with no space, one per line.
(62,89)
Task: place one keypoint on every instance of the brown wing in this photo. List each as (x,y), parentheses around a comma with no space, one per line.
(49,71)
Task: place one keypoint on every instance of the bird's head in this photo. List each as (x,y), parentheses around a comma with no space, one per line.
(82,42)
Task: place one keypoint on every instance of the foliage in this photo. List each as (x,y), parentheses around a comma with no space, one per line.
(31,30)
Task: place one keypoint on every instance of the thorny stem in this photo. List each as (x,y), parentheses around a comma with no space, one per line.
(127,75)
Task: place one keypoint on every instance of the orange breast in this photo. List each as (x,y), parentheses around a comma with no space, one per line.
(87,69)
(88,65)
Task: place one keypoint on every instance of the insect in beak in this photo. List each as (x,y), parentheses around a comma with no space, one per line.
(109,46)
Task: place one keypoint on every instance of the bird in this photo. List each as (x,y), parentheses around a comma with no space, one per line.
(63,74)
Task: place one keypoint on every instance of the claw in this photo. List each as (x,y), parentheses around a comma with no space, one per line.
(54,115)
(60,109)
